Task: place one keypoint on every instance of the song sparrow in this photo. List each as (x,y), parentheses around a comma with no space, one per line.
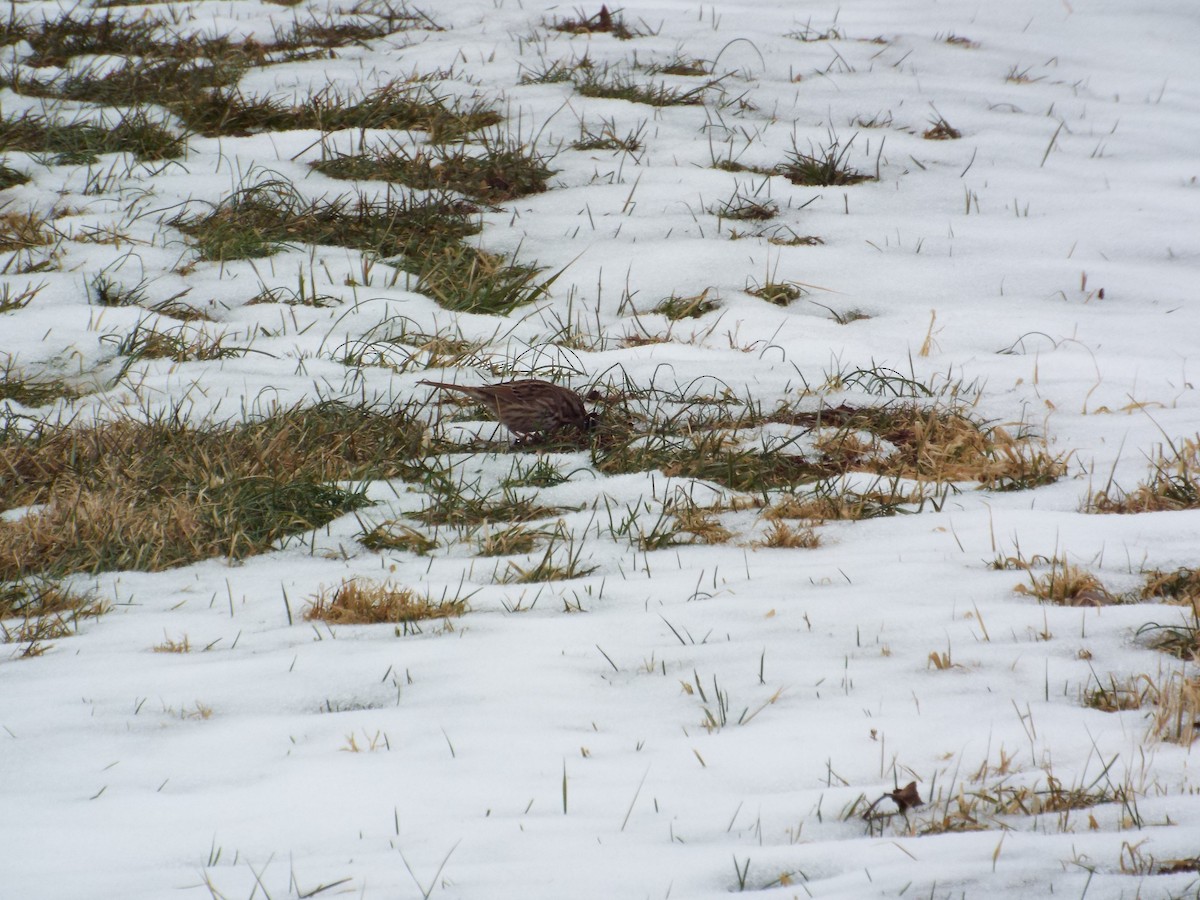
(530,406)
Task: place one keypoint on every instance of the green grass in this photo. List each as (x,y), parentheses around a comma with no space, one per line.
(10,177)
(16,386)
(612,85)
(676,307)
(822,166)
(269,215)
(155,492)
(711,438)
(420,235)
(493,171)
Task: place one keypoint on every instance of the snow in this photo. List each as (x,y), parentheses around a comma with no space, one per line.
(552,743)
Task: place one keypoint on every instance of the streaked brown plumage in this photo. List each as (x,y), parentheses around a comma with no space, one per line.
(529,406)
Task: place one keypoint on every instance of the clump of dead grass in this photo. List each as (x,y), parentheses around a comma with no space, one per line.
(34,612)
(1181,586)
(1067,585)
(156,492)
(942,444)
(600,22)
(1174,484)
(25,230)
(361,601)
(782,535)
(1175,717)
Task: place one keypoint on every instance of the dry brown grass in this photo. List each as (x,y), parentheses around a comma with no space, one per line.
(1118,695)
(1181,586)
(1176,714)
(701,523)
(782,535)
(158,492)
(1174,484)
(930,444)
(38,612)
(1067,585)
(397,536)
(361,601)
(170,645)
(21,231)
(512,541)
(949,445)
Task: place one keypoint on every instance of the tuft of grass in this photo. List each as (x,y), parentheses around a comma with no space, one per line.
(404,349)
(809,33)
(1067,585)
(149,79)
(12,299)
(514,540)
(940,130)
(794,240)
(397,536)
(714,439)
(699,522)
(681,66)
(361,601)
(1174,484)
(1130,693)
(607,137)
(83,31)
(155,492)
(540,474)
(957,40)
(398,106)
(1180,639)
(781,293)
(170,645)
(1176,714)
(303,296)
(226,111)
(34,612)
(15,386)
(270,214)
(418,234)
(1180,586)
(195,75)
(742,207)
(830,498)
(104,291)
(496,171)
(552,565)
(853,314)
(676,307)
(600,22)
(10,177)
(558,71)
(454,504)
(877,120)
(782,535)
(992,804)
(471,280)
(613,85)
(25,231)
(1017,75)
(184,343)
(824,165)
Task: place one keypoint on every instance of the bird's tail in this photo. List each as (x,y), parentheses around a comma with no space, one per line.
(466,389)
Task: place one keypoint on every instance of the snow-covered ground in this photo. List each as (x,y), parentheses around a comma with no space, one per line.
(555,742)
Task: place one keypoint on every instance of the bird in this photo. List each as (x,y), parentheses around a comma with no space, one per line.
(529,406)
